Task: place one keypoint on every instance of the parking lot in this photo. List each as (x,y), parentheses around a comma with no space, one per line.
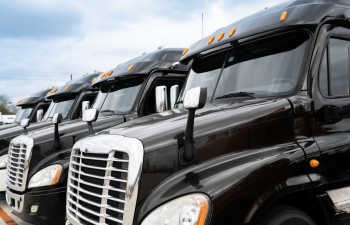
(6,217)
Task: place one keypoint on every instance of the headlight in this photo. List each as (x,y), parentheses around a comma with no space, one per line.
(46,176)
(187,210)
(3,161)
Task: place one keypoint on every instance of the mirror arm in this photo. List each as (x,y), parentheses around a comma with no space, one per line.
(25,130)
(91,130)
(57,143)
(189,151)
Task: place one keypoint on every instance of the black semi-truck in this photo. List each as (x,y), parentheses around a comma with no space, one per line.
(259,134)
(39,161)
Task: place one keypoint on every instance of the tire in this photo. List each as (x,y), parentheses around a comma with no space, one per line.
(284,215)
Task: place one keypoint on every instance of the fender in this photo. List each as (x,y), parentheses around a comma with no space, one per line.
(241,185)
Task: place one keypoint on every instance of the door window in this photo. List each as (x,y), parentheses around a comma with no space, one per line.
(334,71)
(79,111)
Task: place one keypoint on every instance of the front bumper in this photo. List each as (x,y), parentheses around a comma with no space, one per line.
(50,204)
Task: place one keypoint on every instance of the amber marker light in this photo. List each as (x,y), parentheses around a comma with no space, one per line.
(19,101)
(53,91)
(58,173)
(130,67)
(211,39)
(184,52)
(66,88)
(47,93)
(27,100)
(221,35)
(283,16)
(314,163)
(232,32)
(203,211)
(110,73)
(94,80)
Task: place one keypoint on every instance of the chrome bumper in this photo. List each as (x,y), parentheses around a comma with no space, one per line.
(14,201)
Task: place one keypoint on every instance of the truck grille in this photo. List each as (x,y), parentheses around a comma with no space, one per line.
(18,161)
(97,187)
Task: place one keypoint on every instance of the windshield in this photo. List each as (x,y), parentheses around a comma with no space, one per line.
(23,114)
(118,97)
(52,104)
(60,105)
(268,67)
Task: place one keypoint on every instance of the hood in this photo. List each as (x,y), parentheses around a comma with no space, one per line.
(168,128)
(74,86)
(299,12)
(161,59)
(34,98)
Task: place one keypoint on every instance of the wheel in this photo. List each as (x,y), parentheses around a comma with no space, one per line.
(284,215)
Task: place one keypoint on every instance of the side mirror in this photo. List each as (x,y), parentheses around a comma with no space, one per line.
(175,65)
(57,119)
(85,106)
(174,94)
(90,116)
(161,99)
(194,99)
(25,123)
(39,115)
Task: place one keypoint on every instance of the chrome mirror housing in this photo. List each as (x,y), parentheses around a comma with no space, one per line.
(175,65)
(25,123)
(90,115)
(57,118)
(195,98)
(39,115)
(174,94)
(161,99)
(85,106)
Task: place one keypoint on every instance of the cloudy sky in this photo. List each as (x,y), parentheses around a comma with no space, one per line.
(43,42)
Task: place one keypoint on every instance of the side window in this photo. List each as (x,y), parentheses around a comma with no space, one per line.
(334,71)
(79,113)
(150,106)
(42,107)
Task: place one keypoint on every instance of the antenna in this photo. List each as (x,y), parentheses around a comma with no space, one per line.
(71,77)
(202,25)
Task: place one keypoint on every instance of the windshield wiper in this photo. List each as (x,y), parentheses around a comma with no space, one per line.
(238,94)
(107,110)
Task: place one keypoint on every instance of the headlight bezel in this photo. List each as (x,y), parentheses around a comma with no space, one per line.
(43,172)
(179,208)
(4,157)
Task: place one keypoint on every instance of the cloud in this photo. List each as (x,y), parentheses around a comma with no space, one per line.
(44,41)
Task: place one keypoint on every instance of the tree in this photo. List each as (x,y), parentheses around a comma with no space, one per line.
(6,105)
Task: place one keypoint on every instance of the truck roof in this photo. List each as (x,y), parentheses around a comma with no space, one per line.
(34,98)
(299,12)
(144,64)
(74,86)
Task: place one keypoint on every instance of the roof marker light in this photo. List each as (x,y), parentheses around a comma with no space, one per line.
(103,75)
(110,72)
(130,67)
(27,100)
(184,52)
(94,80)
(211,39)
(232,32)
(47,93)
(66,88)
(19,101)
(283,16)
(221,35)
(53,91)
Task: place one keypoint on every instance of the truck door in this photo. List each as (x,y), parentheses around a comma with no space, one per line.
(332,88)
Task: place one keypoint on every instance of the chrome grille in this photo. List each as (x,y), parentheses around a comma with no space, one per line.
(18,161)
(98,191)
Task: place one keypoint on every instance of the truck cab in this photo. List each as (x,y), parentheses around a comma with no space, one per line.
(39,115)
(125,93)
(258,135)
(28,109)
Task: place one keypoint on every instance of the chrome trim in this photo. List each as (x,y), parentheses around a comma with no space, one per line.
(18,199)
(24,145)
(161,99)
(104,144)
